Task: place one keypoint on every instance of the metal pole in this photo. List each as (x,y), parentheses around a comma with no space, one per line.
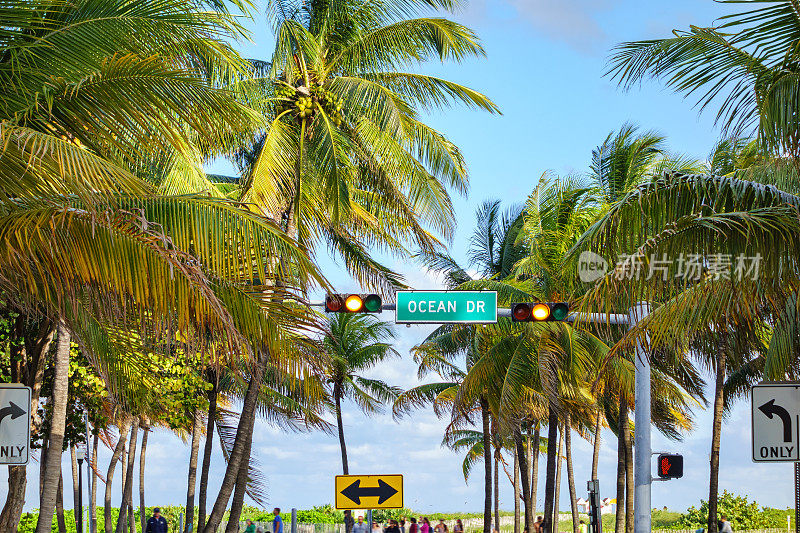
(369,518)
(797,497)
(91,526)
(294,520)
(642,460)
(79,514)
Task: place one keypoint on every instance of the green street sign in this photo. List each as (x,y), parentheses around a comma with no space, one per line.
(446,307)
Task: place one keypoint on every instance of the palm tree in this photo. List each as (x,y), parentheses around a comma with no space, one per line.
(355,343)
(84,207)
(745,66)
(345,158)
(708,216)
(625,159)
(494,251)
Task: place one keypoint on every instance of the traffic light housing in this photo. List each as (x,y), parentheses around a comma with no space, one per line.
(595,507)
(670,466)
(539,311)
(353,303)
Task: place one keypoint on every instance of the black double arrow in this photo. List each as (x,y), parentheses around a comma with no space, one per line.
(770,409)
(355,491)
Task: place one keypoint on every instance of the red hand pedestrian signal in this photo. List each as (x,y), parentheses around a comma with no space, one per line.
(670,466)
(665,466)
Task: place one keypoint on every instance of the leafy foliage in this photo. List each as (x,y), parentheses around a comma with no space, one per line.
(741,512)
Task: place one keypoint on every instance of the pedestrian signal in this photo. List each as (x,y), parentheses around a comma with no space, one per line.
(670,466)
(353,303)
(539,312)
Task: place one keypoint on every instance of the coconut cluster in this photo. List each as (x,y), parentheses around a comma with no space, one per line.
(302,102)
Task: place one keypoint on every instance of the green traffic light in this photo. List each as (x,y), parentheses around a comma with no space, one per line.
(559,311)
(372,303)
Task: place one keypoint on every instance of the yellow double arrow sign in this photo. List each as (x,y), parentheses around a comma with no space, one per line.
(369,492)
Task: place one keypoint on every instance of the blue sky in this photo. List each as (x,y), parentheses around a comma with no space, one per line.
(544,68)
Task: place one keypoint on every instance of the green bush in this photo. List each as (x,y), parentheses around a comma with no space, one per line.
(742,514)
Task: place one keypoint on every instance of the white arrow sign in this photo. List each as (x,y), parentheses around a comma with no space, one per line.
(775,411)
(15,424)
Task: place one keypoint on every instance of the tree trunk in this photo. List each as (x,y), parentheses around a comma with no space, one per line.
(75,488)
(93,494)
(112,464)
(60,520)
(337,396)
(496,491)
(127,490)
(487,463)
(629,493)
(557,498)
(550,476)
(596,451)
(533,459)
(192,482)
(523,455)
(241,488)
(52,466)
(12,510)
(573,499)
(246,422)
(208,448)
(716,432)
(621,425)
(42,461)
(36,349)
(516,489)
(142,456)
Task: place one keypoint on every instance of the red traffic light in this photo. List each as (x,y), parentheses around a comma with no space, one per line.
(539,311)
(353,303)
(670,466)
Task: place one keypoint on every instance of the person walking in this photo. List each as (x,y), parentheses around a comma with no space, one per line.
(459,527)
(413,528)
(376,527)
(441,527)
(426,525)
(277,523)
(251,527)
(393,527)
(157,523)
(725,526)
(403,525)
(360,526)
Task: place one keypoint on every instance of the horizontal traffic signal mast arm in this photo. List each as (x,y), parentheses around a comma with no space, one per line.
(502,312)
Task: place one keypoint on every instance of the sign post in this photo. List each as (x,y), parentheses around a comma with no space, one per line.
(15,424)
(446,307)
(369,492)
(775,415)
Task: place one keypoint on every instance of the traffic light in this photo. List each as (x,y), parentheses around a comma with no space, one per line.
(595,507)
(670,466)
(353,303)
(539,311)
